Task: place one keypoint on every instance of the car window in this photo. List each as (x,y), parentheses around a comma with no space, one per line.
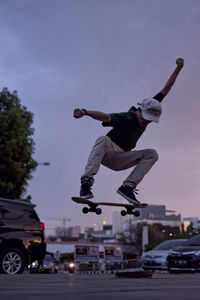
(11,211)
(3,212)
(167,245)
(194,241)
(30,214)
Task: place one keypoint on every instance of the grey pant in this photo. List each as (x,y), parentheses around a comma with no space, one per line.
(106,152)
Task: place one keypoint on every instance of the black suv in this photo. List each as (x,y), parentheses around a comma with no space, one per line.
(22,238)
(185,258)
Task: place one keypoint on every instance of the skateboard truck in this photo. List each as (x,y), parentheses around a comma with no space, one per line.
(92,208)
(130,211)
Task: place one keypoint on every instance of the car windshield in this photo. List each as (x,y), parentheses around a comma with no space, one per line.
(167,245)
(194,241)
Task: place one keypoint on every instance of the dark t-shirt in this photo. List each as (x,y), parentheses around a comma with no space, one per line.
(126,129)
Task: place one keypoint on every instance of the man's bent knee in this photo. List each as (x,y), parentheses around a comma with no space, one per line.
(152,154)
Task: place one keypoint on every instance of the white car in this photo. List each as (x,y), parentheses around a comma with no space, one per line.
(156,258)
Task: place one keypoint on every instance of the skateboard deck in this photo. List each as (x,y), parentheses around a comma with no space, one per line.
(93,206)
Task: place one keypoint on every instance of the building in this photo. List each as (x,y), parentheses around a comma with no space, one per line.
(158,214)
(117,222)
(191,221)
(103,235)
(71,232)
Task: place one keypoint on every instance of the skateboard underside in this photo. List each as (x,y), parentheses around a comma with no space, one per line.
(129,209)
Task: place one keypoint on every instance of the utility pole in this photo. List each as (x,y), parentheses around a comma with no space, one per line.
(145,235)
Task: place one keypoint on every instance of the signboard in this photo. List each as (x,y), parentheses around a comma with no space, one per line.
(113,254)
(86,253)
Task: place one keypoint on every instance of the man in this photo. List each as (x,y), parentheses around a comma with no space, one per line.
(115,149)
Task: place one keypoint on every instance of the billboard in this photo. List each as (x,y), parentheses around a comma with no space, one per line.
(113,254)
(86,253)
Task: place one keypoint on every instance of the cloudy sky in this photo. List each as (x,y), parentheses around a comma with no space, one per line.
(104,55)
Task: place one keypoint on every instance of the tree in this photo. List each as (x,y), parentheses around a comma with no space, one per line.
(66,257)
(16,146)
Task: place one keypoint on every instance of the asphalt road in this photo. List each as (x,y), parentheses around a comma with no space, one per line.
(161,286)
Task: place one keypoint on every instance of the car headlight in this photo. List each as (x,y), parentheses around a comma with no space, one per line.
(197,253)
(155,256)
(71,265)
(34,264)
(171,252)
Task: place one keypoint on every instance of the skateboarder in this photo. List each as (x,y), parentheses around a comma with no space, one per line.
(115,149)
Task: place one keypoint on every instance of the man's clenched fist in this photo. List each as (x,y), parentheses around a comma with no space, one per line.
(79,113)
(180,62)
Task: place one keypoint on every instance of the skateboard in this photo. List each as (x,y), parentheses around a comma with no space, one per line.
(93,206)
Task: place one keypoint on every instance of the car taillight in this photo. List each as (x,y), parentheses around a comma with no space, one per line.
(42,225)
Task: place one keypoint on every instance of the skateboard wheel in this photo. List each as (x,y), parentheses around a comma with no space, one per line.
(98,211)
(137,213)
(85,210)
(123,212)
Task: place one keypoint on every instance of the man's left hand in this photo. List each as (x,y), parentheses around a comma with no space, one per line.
(180,62)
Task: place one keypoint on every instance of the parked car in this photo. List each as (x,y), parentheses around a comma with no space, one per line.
(156,258)
(185,257)
(22,238)
(48,264)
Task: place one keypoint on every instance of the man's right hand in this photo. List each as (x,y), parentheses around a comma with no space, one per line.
(79,113)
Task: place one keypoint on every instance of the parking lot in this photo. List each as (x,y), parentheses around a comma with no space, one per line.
(74,286)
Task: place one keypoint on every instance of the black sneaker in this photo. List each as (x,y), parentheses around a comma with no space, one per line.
(85,191)
(128,193)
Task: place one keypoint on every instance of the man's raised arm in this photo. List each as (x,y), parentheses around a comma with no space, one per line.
(172,78)
(97,115)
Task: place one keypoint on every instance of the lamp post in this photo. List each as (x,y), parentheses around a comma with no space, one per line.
(44,164)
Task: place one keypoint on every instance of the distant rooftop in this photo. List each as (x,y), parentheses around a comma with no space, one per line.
(158,212)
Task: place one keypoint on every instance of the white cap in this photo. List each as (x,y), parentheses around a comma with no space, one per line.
(151,109)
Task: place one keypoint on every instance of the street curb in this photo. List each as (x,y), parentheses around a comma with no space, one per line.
(135,274)
(95,272)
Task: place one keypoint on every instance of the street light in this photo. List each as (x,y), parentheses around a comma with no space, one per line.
(44,164)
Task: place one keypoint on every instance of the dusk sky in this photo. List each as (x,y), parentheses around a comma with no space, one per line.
(104,55)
